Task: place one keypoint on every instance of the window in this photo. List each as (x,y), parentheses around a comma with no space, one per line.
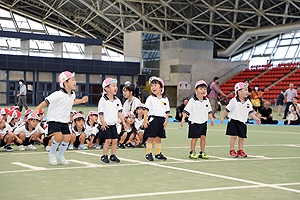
(45,77)
(16,75)
(95,78)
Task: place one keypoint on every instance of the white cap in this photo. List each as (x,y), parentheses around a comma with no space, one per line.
(158,79)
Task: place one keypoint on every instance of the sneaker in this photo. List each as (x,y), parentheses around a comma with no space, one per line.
(114,158)
(62,160)
(129,145)
(233,154)
(241,153)
(140,145)
(104,159)
(31,147)
(7,148)
(52,159)
(149,157)
(193,155)
(203,155)
(48,148)
(82,147)
(101,146)
(97,146)
(71,147)
(160,157)
(21,148)
(121,146)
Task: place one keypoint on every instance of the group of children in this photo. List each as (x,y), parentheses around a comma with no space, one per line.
(120,126)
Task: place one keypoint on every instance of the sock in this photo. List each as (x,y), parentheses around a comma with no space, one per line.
(62,148)
(121,141)
(54,147)
(129,141)
(149,148)
(158,148)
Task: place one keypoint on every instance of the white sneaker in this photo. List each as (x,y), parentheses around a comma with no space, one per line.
(31,147)
(71,147)
(52,159)
(82,147)
(62,160)
(21,148)
(48,148)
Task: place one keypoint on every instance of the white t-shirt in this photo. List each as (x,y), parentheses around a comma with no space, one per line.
(25,129)
(78,133)
(138,123)
(155,106)
(110,109)
(130,106)
(198,110)
(238,110)
(6,129)
(89,129)
(298,105)
(60,105)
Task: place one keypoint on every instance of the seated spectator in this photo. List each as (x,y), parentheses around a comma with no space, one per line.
(256,96)
(294,110)
(266,114)
(179,110)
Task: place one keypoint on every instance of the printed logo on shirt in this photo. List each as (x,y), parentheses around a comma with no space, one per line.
(163,103)
(117,104)
(248,105)
(206,105)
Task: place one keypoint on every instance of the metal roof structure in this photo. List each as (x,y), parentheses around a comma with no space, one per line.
(220,21)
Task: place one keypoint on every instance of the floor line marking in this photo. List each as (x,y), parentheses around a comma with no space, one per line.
(178,159)
(220,157)
(250,131)
(29,166)
(85,163)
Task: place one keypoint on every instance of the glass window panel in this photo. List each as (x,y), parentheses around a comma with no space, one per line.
(246,55)
(123,79)
(105,58)
(285,42)
(94,99)
(2,98)
(34,25)
(71,47)
(52,31)
(150,72)
(45,76)
(46,45)
(16,75)
(44,54)
(80,78)
(3,42)
(280,53)
(32,45)
(95,78)
(3,74)
(269,50)
(3,86)
(4,13)
(298,53)
(23,24)
(291,52)
(237,58)
(260,49)
(111,76)
(296,41)
(258,61)
(7,24)
(150,41)
(63,34)
(272,42)
(95,88)
(29,76)
(288,35)
(14,42)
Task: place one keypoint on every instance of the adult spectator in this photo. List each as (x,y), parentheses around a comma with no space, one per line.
(256,95)
(288,95)
(179,109)
(279,102)
(294,110)
(246,81)
(22,95)
(213,95)
(266,114)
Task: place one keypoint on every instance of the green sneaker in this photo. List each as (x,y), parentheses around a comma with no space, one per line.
(203,155)
(193,155)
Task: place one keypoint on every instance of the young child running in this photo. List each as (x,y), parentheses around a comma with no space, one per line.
(156,114)
(60,104)
(110,110)
(198,109)
(238,110)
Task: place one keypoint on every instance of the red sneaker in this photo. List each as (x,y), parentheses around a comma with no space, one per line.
(233,154)
(241,153)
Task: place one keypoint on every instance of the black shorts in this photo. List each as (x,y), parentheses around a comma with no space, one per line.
(156,128)
(77,142)
(2,143)
(236,128)
(26,142)
(109,133)
(196,130)
(54,127)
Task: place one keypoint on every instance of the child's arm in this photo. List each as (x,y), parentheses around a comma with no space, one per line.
(17,139)
(146,122)
(42,105)
(166,121)
(103,123)
(255,118)
(212,123)
(223,116)
(183,118)
(82,100)
(120,115)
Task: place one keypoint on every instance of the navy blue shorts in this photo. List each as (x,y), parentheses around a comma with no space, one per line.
(156,128)
(109,133)
(196,130)
(54,127)
(236,128)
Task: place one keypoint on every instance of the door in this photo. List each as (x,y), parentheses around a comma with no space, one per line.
(14,89)
(44,90)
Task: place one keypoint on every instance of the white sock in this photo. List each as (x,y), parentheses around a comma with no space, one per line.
(62,148)
(54,147)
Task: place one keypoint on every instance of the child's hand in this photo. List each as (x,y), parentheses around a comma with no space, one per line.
(222,119)
(104,126)
(182,122)
(212,123)
(165,124)
(1,136)
(146,123)
(19,141)
(84,99)
(257,121)
(90,144)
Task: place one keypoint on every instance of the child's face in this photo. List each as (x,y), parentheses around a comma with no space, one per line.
(93,118)
(201,90)
(71,83)
(140,111)
(2,124)
(243,92)
(112,88)
(295,101)
(15,120)
(126,93)
(33,122)
(129,120)
(5,117)
(292,108)
(155,88)
(79,123)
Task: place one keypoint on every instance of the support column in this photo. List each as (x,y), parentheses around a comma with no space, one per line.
(93,52)
(58,49)
(25,47)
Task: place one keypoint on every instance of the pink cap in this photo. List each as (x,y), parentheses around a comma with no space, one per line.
(78,115)
(140,105)
(238,86)
(66,75)
(93,113)
(107,82)
(129,114)
(33,116)
(153,78)
(201,82)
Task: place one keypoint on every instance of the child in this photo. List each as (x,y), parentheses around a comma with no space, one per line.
(13,119)
(157,109)
(28,133)
(127,135)
(78,135)
(110,110)
(294,111)
(27,112)
(198,109)
(4,112)
(91,122)
(6,135)
(266,114)
(60,104)
(139,119)
(131,102)
(238,110)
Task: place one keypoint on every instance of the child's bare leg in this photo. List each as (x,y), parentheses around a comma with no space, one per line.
(114,146)
(202,142)
(289,121)
(82,138)
(241,143)
(193,143)
(106,146)
(73,138)
(232,142)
